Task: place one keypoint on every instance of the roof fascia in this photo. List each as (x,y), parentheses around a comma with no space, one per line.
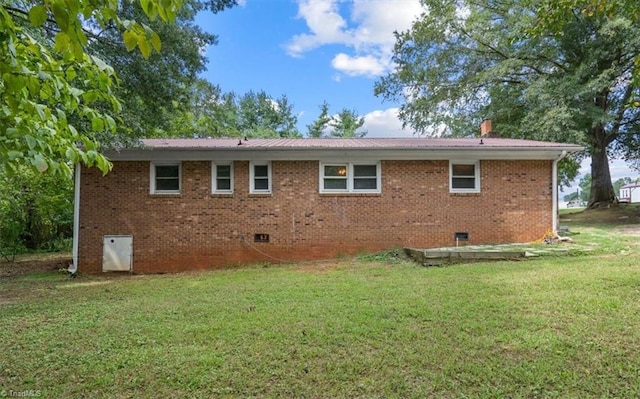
(208,154)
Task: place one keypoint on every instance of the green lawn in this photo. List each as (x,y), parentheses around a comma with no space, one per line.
(558,326)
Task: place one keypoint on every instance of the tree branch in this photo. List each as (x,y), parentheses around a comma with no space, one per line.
(615,131)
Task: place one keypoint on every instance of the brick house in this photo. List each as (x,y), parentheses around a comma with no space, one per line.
(187,204)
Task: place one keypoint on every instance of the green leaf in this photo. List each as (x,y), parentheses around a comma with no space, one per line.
(40,163)
(97,124)
(90,96)
(40,109)
(155,42)
(71,74)
(34,86)
(100,64)
(144,46)
(38,15)
(71,155)
(61,15)
(12,48)
(130,39)
(103,164)
(65,169)
(62,42)
(12,154)
(31,142)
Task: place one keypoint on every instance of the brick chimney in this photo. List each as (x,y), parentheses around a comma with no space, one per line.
(485,127)
(487,131)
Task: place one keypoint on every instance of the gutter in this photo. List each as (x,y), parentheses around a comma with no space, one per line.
(73,267)
(555,210)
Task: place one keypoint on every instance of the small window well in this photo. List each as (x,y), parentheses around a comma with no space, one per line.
(261,237)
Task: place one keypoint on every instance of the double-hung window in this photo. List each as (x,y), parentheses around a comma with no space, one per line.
(166,178)
(222,178)
(464,177)
(260,177)
(334,177)
(349,177)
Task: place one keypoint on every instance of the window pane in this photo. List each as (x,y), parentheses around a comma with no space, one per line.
(223,170)
(167,171)
(335,170)
(335,184)
(365,170)
(463,182)
(261,184)
(463,170)
(223,184)
(365,184)
(167,184)
(261,170)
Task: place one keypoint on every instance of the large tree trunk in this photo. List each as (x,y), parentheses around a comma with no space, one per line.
(601,187)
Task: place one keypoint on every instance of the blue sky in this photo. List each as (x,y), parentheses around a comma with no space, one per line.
(312,51)
(315,51)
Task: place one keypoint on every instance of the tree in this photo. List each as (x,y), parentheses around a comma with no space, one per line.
(317,128)
(206,112)
(346,123)
(210,113)
(154,90)
(48,79)
(259,115)
(464,61)
(36,211)
(582,194)
(56,96)
(553,15)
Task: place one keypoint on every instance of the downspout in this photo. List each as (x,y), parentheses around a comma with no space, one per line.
(554,178)
(73,267)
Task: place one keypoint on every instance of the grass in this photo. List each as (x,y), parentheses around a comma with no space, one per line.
(372,327)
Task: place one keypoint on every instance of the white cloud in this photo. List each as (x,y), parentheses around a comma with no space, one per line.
(366,29)
(357,66)
(384,123)
(324,22)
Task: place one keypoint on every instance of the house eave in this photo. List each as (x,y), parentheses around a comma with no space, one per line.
(313,154)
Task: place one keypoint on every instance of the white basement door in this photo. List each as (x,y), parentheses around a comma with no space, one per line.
(117,253)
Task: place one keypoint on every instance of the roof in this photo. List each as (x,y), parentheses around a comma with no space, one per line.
(631,185)
(353,143)
(341,149)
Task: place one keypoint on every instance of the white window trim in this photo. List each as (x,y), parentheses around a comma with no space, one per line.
(350,178)
(252,189)
(214,178)
(152,182)
(476,170)
(322,177)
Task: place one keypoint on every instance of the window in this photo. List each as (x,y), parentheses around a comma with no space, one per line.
(464,177)
(221,178)
(165,178)
(335,177)
(350,177)
(260,177)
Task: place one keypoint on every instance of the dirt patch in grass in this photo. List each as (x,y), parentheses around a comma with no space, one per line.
(34,263)
(632,230)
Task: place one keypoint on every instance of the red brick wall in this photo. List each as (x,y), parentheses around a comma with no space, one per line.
(197,230)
